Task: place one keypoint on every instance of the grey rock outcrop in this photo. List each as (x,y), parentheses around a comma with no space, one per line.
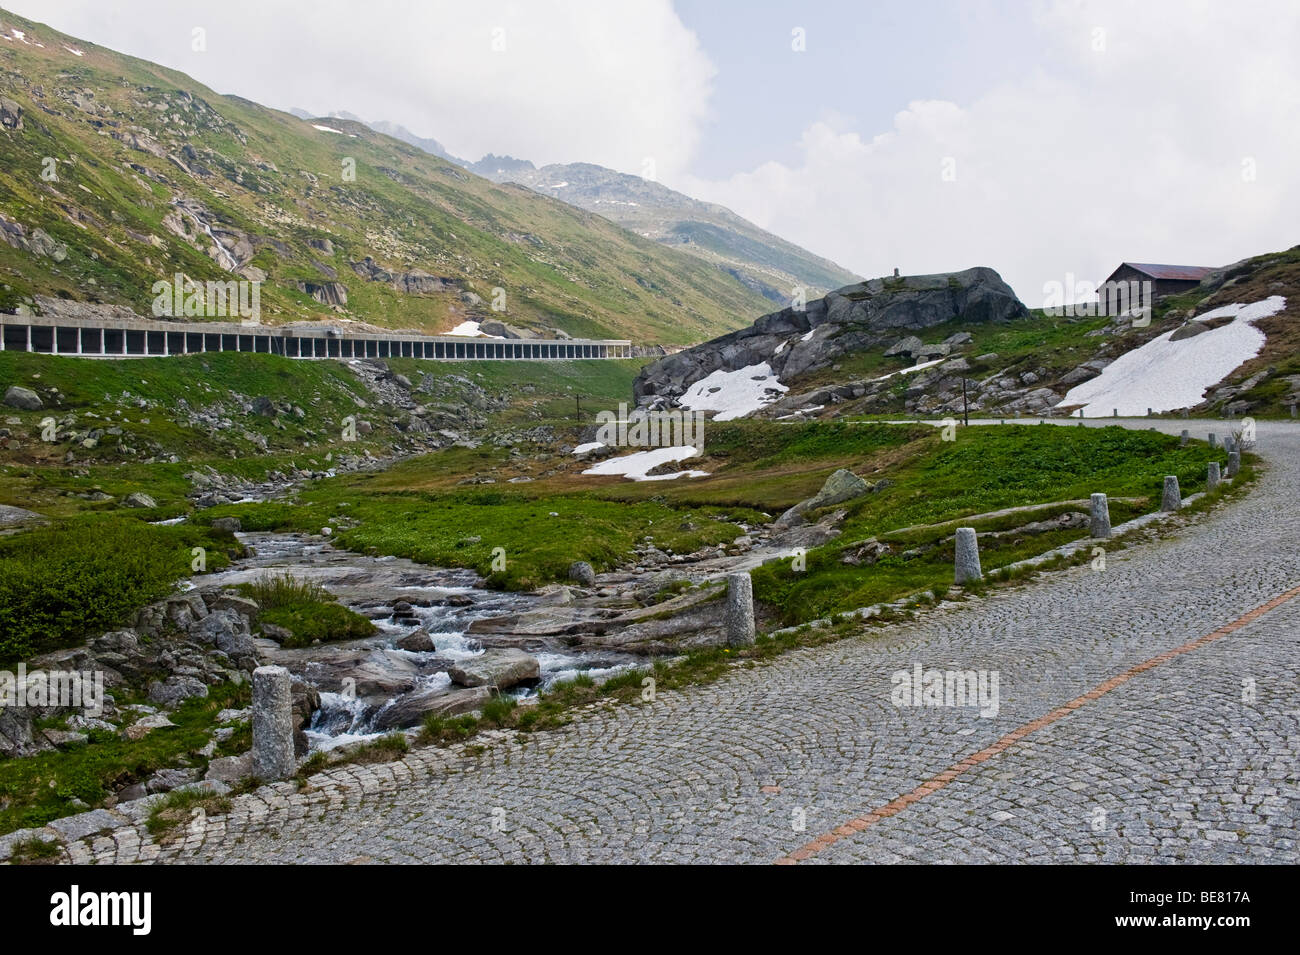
(411,708)
(19,516)
(327,293)
(11,114)
(848,320)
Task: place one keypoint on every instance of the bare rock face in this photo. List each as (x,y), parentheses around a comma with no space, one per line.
(856,317)
(11,114)
(327,293)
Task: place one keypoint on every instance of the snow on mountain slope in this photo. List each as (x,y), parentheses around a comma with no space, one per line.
(1166,375)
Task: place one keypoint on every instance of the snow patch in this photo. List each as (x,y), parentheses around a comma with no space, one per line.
(1165,375)
(908,371)
(809,335)
(733,394)
(74,52)
(636,465)
(1246,313)
(589,446)
(326,129)
(471,330)
(800,413)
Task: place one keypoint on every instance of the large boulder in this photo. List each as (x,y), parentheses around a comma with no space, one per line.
(18,516)
(502,669)
(868,315)
(16,396)
(581,572)
(175,689)
(411,708)
(841,486)
(220,627)
(907,347)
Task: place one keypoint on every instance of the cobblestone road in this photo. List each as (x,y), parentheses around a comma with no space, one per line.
(1193,760)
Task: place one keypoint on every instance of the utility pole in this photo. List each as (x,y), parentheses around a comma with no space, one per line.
(578,401)
(965,408)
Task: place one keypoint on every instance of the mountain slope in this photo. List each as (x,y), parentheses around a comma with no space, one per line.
(766,263)
(148,173)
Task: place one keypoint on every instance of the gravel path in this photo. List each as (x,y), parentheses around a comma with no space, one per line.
(1191,760)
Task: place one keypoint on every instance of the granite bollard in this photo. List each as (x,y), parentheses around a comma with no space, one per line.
(966,566)
(1212,476)
(1182,441)
(1234,463)
(739,616)
(273,757)
(1100,526)
(1214,440)
(1172,499)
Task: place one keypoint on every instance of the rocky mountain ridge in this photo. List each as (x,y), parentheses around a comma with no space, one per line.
(763,262)
(798,340)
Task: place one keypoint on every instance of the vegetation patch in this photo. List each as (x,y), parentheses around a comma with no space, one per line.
(77,577)
(306,609)
(178,809)
(37,789)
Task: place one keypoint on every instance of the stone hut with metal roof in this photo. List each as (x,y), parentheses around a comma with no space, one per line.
(1164,279)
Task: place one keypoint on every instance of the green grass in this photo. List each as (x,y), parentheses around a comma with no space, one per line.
(178,808)
(986,469)
(35,851)
(992,467)
(306,609)
(150,400)
(36,789)
(77,577)
(385,749)
(542,392)
(463,528)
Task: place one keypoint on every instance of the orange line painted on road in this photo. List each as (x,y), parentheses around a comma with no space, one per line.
(934,784)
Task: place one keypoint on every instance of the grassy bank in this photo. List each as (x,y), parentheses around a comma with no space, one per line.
(82,576)
(37,789)
(985,469)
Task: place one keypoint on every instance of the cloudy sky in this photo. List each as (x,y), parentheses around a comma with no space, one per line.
(1040,138)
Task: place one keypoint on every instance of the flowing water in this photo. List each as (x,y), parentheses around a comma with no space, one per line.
(444,602)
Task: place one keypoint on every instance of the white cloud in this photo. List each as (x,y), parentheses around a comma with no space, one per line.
(1135,152)
(590,81)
